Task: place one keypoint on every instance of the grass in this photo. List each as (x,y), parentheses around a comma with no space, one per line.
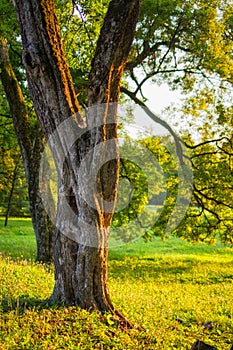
(17,240)
(168,289)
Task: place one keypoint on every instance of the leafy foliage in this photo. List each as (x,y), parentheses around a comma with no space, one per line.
(185,37)
(211,213)
(189,45)
(80,23)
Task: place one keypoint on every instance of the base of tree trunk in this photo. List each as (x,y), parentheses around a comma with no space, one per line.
(121,321)
(117,318)
(81,279)
(199,345)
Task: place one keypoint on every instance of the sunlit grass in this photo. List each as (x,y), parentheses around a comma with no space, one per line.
(167,289)
(17,239)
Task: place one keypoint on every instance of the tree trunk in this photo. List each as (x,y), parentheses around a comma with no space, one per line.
(200,345)
(42,219)
(31,142)
(11,195)
(86,156)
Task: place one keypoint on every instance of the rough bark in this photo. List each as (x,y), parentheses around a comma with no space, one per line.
(200,345)
(82,230)
(31,142)
(9,203)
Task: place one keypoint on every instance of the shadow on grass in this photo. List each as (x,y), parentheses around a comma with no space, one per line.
(24,303)
(15,255)
(177,270)
(148,268)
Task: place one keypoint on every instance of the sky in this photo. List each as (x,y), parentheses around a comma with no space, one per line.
(159,98)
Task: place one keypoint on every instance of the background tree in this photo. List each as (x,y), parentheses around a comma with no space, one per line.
(13,191)
(188,45)
(27,130)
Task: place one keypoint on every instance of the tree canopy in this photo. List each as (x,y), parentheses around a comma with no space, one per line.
(189,45)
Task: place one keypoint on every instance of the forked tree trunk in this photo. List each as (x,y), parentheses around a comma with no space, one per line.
(31,142)
(85,209)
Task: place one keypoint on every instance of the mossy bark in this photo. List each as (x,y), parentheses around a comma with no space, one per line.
(31,142)
(81,250)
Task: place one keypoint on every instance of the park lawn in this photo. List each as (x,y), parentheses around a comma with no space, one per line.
(168,289)
(17,240)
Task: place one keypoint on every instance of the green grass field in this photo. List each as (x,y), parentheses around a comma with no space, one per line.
(168,289)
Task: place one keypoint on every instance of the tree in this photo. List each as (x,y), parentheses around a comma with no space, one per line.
(210,214)
(173,42)
(31,142)
(13,191)
(188,45)
(81,263)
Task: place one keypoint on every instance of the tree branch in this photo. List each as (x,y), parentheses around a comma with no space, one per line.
(157,120)
(147,51)
(205,142)
(78,7)
(203,154)
(6,115)
(153,73)
(212,199)
(112,50)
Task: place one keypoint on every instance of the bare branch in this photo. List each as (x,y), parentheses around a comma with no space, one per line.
(205,142)
(147,51)
(203,154)
(157,120)
(78,7)
(205,208)
(156,72)
(212,199)
(6,115)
